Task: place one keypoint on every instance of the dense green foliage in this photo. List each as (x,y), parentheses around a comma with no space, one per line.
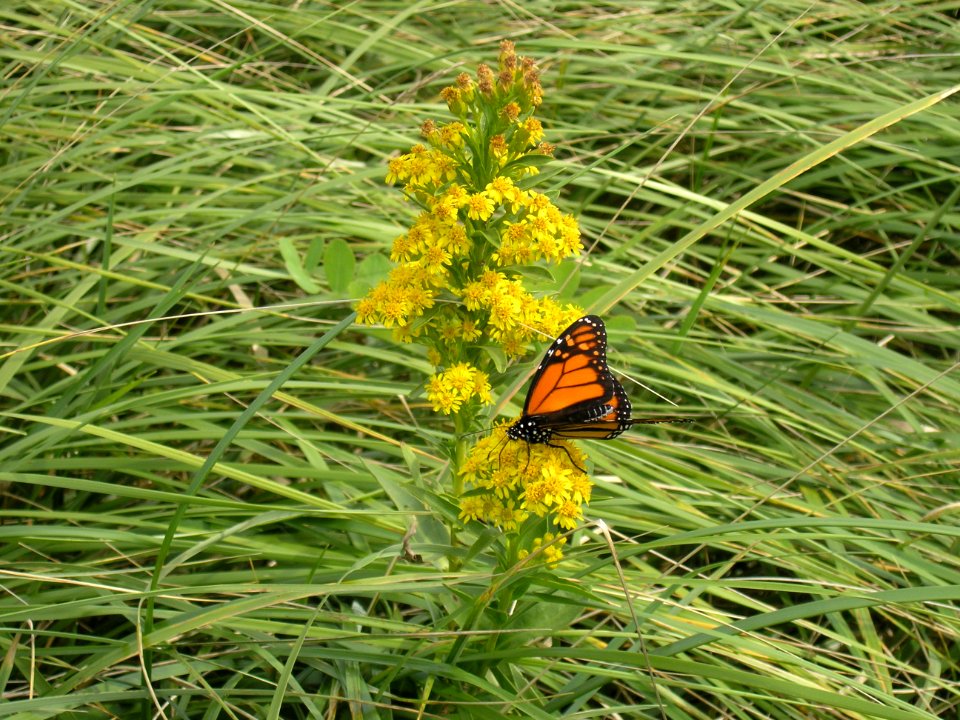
(215,486)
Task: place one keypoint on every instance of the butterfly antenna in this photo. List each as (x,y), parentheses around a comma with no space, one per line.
(647,388)
(474,432)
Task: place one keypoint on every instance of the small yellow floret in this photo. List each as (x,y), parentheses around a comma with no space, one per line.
(479,207)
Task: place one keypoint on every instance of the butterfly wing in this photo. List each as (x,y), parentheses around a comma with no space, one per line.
(571,382)
(571,386)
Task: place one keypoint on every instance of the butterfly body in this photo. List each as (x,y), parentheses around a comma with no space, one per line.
(573,394)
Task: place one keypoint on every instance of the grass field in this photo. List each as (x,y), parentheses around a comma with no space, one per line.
(223,498)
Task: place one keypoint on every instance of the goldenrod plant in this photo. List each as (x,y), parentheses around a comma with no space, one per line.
(458,288)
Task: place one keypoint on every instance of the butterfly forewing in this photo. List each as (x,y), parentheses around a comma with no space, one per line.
(572,372)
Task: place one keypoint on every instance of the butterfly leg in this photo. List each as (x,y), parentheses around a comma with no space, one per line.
(503,447)
(567,451)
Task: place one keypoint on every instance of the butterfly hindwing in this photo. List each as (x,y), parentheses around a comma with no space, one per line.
(613,417)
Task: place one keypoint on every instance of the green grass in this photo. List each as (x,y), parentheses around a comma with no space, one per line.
(210,475)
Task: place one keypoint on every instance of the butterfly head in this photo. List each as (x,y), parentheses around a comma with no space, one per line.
(529,430)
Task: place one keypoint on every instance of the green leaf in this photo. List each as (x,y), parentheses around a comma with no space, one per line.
(299,274)
(339,264)
(495,353)
(314,253)
(372,270)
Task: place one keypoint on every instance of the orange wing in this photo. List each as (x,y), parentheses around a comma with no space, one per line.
(574,372)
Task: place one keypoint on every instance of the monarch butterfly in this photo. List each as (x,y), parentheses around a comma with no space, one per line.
(573,393)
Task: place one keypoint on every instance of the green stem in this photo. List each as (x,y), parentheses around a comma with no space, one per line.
(459,458)
(456,462)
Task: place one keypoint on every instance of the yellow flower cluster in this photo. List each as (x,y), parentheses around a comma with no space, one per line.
(422,169)
(512,315)
(514,480)
(540,232)
(457,288)
(434,253)
(474,218)
(405,295)
(551,546)
(447,391)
